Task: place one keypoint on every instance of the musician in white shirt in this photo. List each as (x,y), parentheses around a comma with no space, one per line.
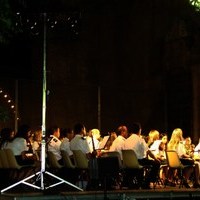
(79,142)
(118,143)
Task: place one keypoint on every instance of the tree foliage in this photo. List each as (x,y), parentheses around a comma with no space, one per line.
(7,22)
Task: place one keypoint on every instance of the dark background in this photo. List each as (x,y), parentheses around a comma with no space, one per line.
(108,62)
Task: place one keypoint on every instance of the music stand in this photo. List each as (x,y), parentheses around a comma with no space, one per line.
(40,174)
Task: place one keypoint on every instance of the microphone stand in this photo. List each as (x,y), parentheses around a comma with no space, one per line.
(40,174)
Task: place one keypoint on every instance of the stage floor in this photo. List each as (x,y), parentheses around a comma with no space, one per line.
(64,193)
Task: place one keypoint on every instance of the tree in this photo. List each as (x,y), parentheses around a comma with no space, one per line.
(7,22)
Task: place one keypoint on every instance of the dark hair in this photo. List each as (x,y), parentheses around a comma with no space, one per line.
(78,128)
(161,146)
(65,132)
(120,129)
(134,127)
(6,135)
(23,130)
(51,130)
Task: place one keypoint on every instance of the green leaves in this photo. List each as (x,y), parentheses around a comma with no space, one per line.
(7,22)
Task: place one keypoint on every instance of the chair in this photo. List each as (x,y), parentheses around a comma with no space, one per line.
(66,160)
(80,159)
(54,166)
(82,165)
(113,154)
(174,163)
(110,169)
(17,172)
(134,172)
(70,170)
(4,169)
(12,162)
(3,159)
(52,161)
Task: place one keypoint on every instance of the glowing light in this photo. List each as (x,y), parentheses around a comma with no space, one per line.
(8,99)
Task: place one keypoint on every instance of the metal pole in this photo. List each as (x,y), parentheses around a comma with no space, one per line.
(99,107)
(43,143)
(16,105)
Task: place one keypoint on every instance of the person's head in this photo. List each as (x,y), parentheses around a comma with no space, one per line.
(176,137)
(162,146)
(55,131)
(68,133)
(154,135)
(164,138)
(188,141)
(37,136)
(122,130)
(7,134)
(96,133)
(24,131)
(79,129)
(177,134)
(135,128)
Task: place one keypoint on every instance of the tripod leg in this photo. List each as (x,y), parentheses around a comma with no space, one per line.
(23,182)
(42,184)
(61,181)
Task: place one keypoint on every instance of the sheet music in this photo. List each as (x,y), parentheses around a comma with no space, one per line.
(104,142)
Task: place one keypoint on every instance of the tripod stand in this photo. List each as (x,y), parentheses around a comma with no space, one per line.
(40,174)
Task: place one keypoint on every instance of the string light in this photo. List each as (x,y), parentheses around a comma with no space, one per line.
(8,101)
(33,22)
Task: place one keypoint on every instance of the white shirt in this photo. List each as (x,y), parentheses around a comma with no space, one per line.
(54,146)
(18,145)
(65,145)
(118,145)
(197,150)
(181,150)
(155,147)
(79,143)
(96,143)
(138,144)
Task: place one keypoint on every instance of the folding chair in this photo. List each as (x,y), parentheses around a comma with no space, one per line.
(134,172)
(174,163)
